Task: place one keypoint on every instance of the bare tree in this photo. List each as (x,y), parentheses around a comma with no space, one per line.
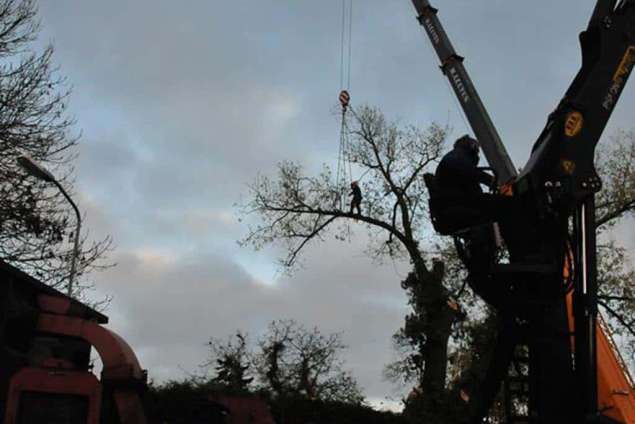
(296,362)
(616,166)
(231,361)
(616,202)
(296,209)
(289,362)
(270,363)
(35,229)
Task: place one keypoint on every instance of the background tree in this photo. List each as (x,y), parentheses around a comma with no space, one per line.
(296,209)
(471,338)
(35,229)
(289,362)
(616,202)
(296,362)
(231,361)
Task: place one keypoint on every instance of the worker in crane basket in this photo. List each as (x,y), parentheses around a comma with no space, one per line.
(356,202)
(460,206)
(458,173)
(460,198)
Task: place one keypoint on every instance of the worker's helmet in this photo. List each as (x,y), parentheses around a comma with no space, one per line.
(468,143)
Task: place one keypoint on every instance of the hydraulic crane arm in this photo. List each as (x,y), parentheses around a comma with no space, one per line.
(602,8)
(565,150)
(452,66)
(561,175)
(557,188)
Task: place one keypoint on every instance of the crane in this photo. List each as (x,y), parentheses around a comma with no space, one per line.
(575,372)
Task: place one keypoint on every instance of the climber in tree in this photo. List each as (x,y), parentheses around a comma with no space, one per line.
(356,192)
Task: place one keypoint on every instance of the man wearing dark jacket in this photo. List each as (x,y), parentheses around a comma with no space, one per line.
(458,171)
(461,201)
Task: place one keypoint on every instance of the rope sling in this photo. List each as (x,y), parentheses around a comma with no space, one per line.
(344,173)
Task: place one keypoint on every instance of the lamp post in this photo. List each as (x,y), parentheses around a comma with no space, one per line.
(38,171)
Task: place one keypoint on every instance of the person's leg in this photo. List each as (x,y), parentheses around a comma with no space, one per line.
(512,217)
(457,214)
(461,212)
(358,203)
(494,207)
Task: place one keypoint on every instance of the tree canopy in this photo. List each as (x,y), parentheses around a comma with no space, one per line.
(296,209)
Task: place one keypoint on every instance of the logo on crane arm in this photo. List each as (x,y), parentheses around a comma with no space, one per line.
(573,124)
(458,84)
(619,78)
(432,30)
(568,166)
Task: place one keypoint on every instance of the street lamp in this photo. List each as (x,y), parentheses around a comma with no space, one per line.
(38,171)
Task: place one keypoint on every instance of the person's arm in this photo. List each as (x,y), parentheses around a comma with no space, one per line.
(463,168)
(486,179)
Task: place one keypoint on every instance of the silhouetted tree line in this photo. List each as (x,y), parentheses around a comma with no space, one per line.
(297,371)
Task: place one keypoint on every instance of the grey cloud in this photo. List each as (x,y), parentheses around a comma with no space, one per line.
(167,307)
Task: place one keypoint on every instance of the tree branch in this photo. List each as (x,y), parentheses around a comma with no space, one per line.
(307,238)
(614,214)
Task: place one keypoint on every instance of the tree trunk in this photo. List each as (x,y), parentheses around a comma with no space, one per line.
(433,405)
(436,359)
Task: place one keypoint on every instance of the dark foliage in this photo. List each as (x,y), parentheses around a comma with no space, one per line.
(305,411)
(186,401)
(183,402)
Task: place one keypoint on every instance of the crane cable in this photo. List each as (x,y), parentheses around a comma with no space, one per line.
(345,44)
(344,167)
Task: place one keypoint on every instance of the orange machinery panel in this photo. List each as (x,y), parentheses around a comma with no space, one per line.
(616,394)
(616,397)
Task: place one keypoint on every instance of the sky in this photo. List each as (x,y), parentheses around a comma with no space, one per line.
(182,104)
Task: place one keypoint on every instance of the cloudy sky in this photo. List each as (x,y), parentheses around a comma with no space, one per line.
(181,104)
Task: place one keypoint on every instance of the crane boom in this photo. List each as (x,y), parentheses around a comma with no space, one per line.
(479,119)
